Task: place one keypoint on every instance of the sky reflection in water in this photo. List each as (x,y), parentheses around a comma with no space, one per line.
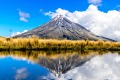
(44,65)
(13,69)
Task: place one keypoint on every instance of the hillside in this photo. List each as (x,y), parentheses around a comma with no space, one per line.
(62,28)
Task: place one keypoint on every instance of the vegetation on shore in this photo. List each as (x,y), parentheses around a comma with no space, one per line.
(35,43)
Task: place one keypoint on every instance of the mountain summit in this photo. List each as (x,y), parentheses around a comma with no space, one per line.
(62,28)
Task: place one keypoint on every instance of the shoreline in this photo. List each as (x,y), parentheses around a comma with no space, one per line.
(23,44)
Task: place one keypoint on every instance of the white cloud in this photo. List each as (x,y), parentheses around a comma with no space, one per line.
(18,33)
(23,19)
(106,67)
(59,11)
(41,10)
(24,16)
(105,24)
(96,2)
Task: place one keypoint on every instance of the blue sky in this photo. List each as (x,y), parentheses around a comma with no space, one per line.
(33,12)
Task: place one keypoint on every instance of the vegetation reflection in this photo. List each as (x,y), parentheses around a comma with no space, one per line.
(58,62)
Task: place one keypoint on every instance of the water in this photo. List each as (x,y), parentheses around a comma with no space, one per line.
(59,65)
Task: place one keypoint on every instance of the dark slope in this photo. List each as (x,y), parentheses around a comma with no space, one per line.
(62,28)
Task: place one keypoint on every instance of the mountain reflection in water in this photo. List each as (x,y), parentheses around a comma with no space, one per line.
(62,64)
(57,62)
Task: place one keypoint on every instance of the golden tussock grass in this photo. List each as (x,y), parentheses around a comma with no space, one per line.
(34,43)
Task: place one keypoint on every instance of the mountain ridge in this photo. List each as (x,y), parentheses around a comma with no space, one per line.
(62,28)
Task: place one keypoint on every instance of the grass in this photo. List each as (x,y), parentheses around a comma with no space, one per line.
(35,43)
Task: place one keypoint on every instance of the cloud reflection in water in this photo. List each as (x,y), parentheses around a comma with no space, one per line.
(21,74)
(106,67)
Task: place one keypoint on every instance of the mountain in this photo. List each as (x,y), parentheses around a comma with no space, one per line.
(62,28)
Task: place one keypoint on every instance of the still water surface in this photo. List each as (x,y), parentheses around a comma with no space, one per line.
(59,65)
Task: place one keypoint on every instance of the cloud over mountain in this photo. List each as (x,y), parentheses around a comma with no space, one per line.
(101,23)
(18,33)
